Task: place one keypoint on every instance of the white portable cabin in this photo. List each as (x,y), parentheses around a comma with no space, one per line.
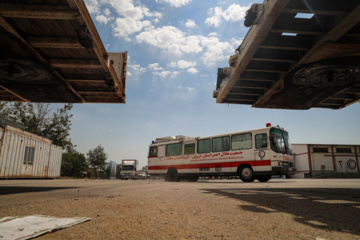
(326,159)
(27,155)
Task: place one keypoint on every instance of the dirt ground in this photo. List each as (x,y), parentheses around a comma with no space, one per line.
(209,209)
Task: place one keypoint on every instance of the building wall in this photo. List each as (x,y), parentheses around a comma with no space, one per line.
(321,161)
(14,142)
(347,162)
(301,159)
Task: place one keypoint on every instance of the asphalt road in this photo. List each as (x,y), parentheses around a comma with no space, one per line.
(208,209)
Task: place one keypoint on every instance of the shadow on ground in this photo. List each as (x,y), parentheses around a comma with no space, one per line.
(18,189)
(326,209)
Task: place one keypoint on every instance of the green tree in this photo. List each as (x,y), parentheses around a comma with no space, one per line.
(73,164)
(40,119)
(96,158)
(59,127)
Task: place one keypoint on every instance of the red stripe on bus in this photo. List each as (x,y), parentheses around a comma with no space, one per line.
(211,165)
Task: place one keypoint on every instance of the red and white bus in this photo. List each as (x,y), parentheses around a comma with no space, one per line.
(254,154)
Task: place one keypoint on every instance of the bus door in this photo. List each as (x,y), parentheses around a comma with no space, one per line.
(161,153)
(261,151)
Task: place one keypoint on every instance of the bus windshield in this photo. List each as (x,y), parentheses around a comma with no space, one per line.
(280,141)
(128,167)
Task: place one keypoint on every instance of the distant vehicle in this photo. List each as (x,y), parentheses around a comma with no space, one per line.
(254,154)
(142,176)
(129,169)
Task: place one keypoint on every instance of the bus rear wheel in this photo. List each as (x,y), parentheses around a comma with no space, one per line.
(246,174)
(172,175)
(263,178)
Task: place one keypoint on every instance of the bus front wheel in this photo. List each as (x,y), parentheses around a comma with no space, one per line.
(246,174)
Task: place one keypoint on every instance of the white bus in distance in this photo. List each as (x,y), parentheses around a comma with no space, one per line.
(255,154)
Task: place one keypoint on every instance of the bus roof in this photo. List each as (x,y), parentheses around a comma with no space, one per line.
(180,138)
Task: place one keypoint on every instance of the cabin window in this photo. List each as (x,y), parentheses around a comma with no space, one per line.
(343,150)
(221,144)
(320,150)
(173,149)
(189,148)
(29,155)
(241,141)
(204,146)
(261,140)
(153,151)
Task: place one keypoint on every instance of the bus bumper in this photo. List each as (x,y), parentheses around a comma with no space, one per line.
(283,170)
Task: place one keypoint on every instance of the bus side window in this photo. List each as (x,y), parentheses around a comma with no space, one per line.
(173,149)
(261,140)
(204,146)
(153,151)
(241,141)
(189,149)
(221,144)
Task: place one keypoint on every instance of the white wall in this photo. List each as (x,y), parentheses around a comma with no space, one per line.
(301,159)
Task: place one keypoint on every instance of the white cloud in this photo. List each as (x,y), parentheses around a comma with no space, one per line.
(216,18)
(102,19)
(135,71)
(137,68)
(215,50)
(93,6)
(236,42)
(135,18)
(131,15)
(174,41)
(157,70)
(170,39)
(107,12)
(192,70)
(189,89)
(175,74)
(172,64)
(190,23)
(233,13)
(182,64)
(127,9)
(155,67)
(162,74)
(126,26)
(191,45)
(175,3)
(185,64)
(213,34)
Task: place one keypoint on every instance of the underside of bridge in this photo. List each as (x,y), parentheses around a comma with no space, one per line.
(296,55)
(51,52)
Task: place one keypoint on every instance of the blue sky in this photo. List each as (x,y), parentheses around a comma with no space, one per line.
(175,48)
